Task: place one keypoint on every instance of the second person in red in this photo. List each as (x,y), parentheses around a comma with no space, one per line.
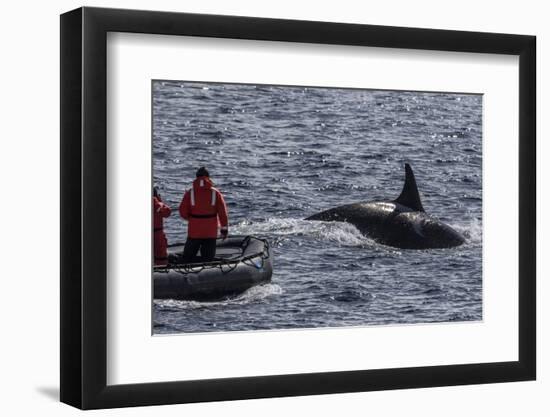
(160,244)
(204,208)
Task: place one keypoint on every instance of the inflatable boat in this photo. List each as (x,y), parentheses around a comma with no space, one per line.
(240,263)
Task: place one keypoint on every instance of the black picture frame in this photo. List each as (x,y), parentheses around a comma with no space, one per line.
(84,207)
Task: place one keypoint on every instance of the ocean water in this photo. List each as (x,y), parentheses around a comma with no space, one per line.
(280,154)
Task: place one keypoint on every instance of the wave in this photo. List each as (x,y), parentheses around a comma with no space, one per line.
(473,230)
(343,234)
(339,233)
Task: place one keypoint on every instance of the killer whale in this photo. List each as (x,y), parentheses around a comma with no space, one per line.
(400,223)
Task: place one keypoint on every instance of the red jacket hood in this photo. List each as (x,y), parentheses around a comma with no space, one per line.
(204,183)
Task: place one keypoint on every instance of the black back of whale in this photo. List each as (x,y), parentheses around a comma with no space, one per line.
(401,223)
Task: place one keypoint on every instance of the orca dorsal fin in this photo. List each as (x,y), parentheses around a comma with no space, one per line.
(409,197)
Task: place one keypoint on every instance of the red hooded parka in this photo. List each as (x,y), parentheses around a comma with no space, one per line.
(204,208)
(160,211)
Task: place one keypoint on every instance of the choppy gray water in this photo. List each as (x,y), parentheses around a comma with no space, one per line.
(280,154)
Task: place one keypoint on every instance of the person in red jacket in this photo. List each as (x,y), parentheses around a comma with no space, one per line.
(204,208)
(160,243)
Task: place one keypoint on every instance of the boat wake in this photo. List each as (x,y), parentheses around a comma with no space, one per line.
(254,294)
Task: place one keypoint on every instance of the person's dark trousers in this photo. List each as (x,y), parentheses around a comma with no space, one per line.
(192,247)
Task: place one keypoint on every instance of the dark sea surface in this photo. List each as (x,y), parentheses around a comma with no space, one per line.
(280,154)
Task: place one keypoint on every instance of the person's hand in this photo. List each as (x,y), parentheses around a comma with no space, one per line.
(224,232)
